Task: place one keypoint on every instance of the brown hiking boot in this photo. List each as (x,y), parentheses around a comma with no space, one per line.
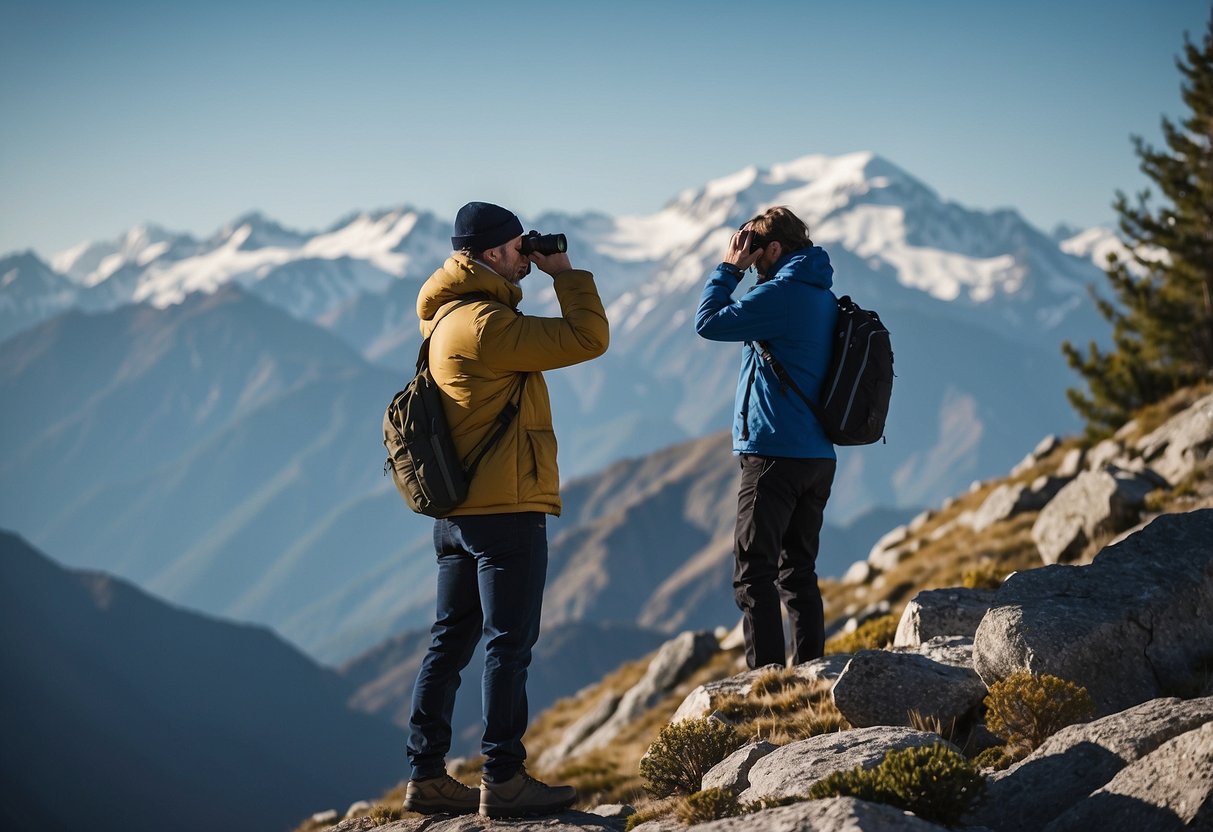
(523,796)
(440,795)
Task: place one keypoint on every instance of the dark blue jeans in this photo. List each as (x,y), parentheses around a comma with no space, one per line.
(491,572)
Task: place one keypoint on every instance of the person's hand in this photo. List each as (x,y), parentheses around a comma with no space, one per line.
(739,253)
(553,264)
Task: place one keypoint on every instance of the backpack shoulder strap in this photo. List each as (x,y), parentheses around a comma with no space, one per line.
(785,378)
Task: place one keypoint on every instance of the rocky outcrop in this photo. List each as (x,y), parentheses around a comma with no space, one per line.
(1096,503)
(1181,444)
(955,611)
(1131,625)
(793,768)
(1077,761)
(733,772)
(889,687)
(706,698)
(563,822)
(1170,788)
(835,814)
(675,661)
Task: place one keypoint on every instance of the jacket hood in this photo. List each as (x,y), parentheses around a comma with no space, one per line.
(808,265)
(461,276)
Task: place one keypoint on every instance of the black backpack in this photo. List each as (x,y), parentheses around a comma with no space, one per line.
(422,458)
(857,386)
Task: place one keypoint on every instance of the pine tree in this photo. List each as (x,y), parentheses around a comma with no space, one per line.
(1162,317)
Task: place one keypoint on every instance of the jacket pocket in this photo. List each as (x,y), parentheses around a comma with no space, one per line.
(543,453)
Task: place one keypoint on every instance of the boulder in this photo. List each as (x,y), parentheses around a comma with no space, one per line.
(889,540)
(733,772)
(566,821)
(1103,454)
(613,810)
(1182,443)
(955,611)
(1079,759)
(706,698)
(885,559)
(1170,788)
(1071,463)
(952,650)
(860,572)
(675,660)
(883,687)
(835,814)
(1132,625)
(1094,504)
(791,769)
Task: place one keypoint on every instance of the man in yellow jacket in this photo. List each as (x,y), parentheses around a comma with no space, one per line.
(492,549)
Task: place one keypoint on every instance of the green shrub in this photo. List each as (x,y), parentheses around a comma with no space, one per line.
(765,803)
(684,752)
(997,758)
(708,805)
(933,782)
(660,809)
(872,634)
(1025,709)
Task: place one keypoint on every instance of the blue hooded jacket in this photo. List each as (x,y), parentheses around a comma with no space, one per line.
(794,311)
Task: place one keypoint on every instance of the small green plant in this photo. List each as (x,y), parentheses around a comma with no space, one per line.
(708,805)
(997,758)
(765,803)
(1025,709)
(684,752)
(932,781)
(872,634)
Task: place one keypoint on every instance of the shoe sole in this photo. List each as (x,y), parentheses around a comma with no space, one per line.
(498,812)
(433,809)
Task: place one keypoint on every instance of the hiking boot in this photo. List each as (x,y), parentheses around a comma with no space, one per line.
(440,795)
(523,796)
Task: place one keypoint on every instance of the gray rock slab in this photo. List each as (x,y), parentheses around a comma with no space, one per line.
(882,687)
(835,814)
(952,650)
(1094,503)
(793,768)
(1071,463)
(1129,627)
(1169,788)
(562,822)
(613,810)
(733,772)
(955,611)
(1181,443)
(1080,759)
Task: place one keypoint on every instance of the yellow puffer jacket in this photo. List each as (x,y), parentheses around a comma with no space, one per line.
(476,357)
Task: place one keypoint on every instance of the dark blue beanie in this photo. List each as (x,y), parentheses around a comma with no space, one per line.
(483,225)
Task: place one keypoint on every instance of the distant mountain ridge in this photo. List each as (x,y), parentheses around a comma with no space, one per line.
(120,712)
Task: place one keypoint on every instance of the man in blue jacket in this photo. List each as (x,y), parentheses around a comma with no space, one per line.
(787,463)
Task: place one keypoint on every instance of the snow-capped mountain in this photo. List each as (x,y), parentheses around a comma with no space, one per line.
(959,288)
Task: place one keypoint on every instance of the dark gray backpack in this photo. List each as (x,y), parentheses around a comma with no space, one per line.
(422,458)
(854,399)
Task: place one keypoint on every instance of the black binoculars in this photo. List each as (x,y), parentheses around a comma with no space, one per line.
(544,243)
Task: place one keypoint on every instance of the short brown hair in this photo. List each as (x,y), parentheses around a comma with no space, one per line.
(780,225)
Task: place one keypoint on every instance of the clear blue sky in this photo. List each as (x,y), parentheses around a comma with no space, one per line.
(188,115)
